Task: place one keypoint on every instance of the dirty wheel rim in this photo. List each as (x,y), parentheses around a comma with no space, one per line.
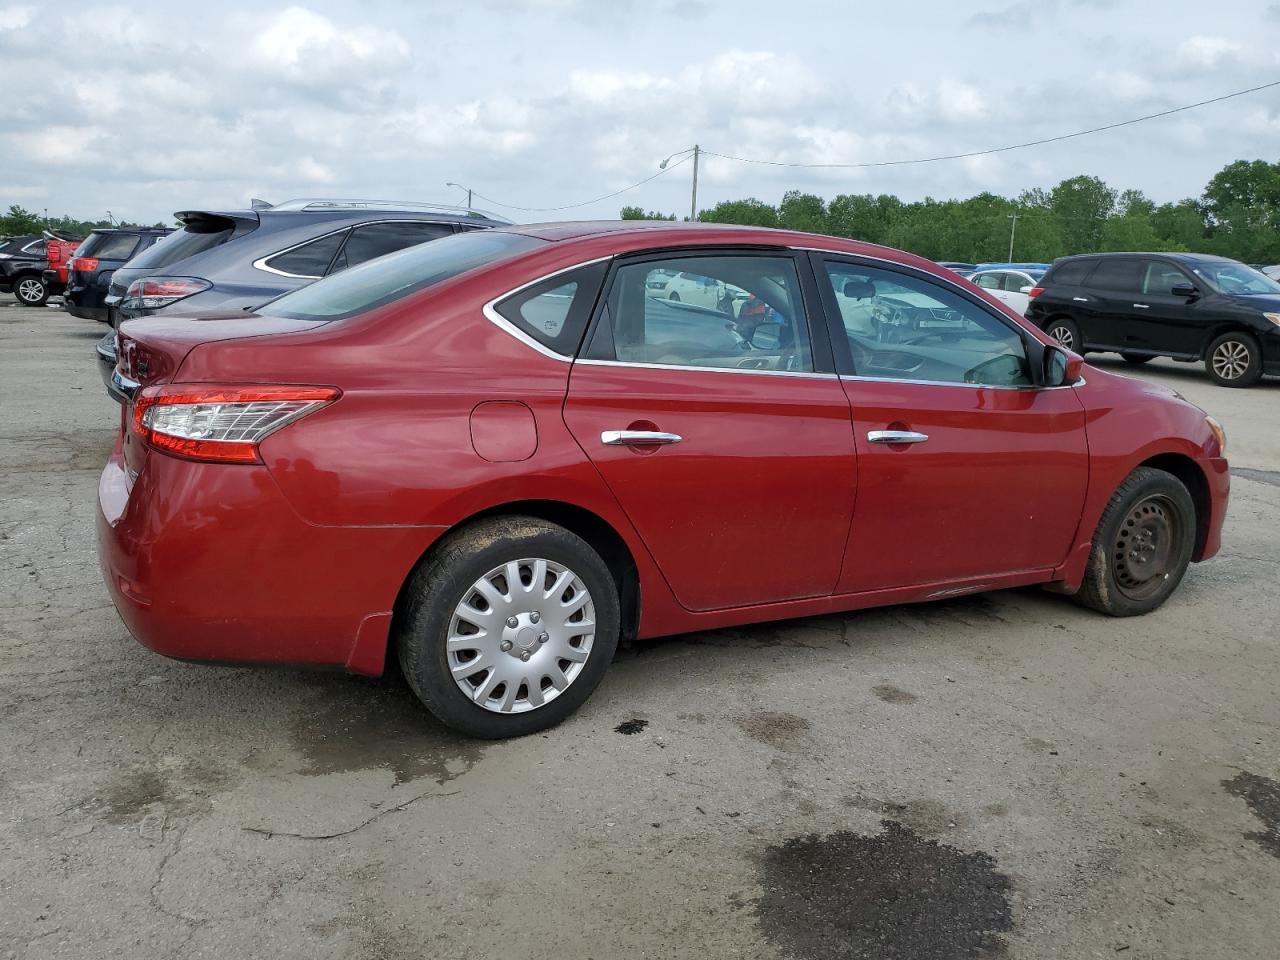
(1064,336)
(31,290)
(520,635)
(1231,360)
(1146,547)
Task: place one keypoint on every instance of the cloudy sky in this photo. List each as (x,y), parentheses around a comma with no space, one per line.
(148,107)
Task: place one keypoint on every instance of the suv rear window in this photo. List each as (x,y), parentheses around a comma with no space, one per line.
(1072,273)
(397,275)
(195,237)
(108,246)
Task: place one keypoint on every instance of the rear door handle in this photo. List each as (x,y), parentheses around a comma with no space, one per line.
(627,438)
(1142,306)
(1080,299)
(896,436)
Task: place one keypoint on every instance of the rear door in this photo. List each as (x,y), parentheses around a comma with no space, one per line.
(1106,321)
(723,432)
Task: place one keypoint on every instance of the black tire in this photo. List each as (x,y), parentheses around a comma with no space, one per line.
(1134,358)
(448,576)
(30,291)
(674,298)
(1142,546)
(1234,360)
(1066,332)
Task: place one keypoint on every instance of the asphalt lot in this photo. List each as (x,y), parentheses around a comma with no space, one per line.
(1002,775)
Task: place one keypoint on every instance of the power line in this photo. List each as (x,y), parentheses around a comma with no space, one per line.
(584,203)
(1014,146)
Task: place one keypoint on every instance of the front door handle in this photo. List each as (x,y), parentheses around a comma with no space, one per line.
(896,436)
(1080,299)
(1142,306)
(629,438)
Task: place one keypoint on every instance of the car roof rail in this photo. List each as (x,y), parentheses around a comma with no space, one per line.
(311,205)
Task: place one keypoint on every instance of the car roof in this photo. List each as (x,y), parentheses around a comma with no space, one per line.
(1167,254)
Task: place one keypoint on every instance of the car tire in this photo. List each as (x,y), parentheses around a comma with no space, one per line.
(30,291)
(1234,360)
(1066,332)
(1135,359)
(443,607)
(1142,546)
(674,298)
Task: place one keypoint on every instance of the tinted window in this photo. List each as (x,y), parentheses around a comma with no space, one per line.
(555,312)
(187,242)
(1161,278)
(378,239)
(1116,273)
(35,249)
(311,259)
(381,281)
(743,313)
(109,246)
(1072,273)
(902,327)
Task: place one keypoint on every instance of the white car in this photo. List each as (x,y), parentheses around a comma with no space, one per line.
(1272,271)
(685,287)
(1008,285)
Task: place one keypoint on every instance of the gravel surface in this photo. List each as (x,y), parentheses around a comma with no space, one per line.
(999,775)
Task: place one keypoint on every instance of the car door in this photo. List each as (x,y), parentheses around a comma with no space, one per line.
(1106,320)
(965,468)
(992,281)
(1012,285)
(1164,323)
(724,434)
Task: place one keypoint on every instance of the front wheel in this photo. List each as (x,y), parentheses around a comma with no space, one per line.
(1066,333)
(31,292)
(508,627)
(1142,546)
(1234,360)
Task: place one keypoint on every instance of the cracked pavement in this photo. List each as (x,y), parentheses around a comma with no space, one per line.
(1068,767)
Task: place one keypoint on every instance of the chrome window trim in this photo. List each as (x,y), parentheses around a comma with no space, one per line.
(809,375)
(261,262)
(506,326)
(968,386)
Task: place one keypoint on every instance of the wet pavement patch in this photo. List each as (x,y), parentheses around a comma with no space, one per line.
(774,729)
(892,896)
(630,727)
(1262,794)
(181,787)
(360,724)
(891,694)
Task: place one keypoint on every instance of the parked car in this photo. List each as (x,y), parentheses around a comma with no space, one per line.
(58,253)
(232,260)
(1011,285)
(493,455)
(22,265)
(1272,271)
(957,267)
(1187,306)
(101,254)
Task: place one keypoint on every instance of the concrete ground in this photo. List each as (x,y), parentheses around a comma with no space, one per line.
(1002,775)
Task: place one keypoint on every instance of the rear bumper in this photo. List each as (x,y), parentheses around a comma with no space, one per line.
(210,562)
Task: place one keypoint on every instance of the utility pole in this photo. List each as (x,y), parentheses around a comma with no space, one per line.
(461,187)
(1013,226)
(693,205)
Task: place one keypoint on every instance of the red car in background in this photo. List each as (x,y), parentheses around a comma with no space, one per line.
(493,455)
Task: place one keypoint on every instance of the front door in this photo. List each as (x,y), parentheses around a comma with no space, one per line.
(965,468)
(1167,324)
(727,445)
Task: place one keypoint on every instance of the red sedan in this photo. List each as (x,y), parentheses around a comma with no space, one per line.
(493,455)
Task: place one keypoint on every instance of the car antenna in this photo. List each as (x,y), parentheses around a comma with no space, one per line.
(256,204)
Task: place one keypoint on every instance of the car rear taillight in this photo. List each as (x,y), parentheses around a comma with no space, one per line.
(1035,292)
(220,424)
(83,264)
(153,292)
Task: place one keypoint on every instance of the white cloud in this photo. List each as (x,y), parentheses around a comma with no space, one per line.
(1206,52)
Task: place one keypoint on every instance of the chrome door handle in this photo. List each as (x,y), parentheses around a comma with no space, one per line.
(625,438)
(1142,306)
(1080,299)
(896,436)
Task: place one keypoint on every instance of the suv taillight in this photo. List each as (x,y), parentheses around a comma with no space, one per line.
(83,264)
(153,292)
(220,424)
(1035,292)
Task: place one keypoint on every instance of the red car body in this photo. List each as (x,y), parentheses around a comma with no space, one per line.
(774,506)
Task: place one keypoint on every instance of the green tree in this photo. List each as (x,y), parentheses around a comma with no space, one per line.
(750,212)
(1081,206)
(19,221)
(639,213)
(1242,204)
(863,217)
(803,211)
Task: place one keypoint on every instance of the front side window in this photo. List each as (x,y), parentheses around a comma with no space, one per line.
(903,327)
(1159,279)
(1116,273)
(308,260)
(721,312)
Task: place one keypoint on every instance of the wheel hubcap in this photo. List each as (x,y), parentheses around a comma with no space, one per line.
(1231,360)
(521,635)
(30,290)
(1064,336)
(1145,548)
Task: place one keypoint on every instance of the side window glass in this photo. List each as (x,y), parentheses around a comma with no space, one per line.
(309,260)
(902,327)
(1014,282)
(1116,273)
(1160,278)
(726,312)
(988,281)
(1072,273)
(554,313)
(378,239)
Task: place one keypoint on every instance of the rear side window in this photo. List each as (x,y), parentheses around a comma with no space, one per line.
(192,239)
(109,246)
(1072,273)
(309,260)
(555,312)
(397,275)
(1116,273)
(375,240)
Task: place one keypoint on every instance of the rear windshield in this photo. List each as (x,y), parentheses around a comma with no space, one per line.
(396,275)
(194,238)
(108,246)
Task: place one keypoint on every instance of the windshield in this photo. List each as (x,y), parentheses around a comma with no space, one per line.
(1230,277)
(396,275)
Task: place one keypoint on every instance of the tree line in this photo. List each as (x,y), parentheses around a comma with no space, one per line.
(1237,216)
(19,222)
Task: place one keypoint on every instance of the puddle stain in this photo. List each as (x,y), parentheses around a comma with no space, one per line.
(1262,794)
(927,817)
(891,694)
(774,729)
(183,789)
(892,896)
(631,727)
(359,724)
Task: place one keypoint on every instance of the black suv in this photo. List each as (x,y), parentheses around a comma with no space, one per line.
(22,264)
(1186,306)
(102,253)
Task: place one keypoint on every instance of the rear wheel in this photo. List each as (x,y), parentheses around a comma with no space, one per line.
(31,291)
(1142,545)
(508,627)
(1234,360)
(1066,333)
(1136,359)
(675,297)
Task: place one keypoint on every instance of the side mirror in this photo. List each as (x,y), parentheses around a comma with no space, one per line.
(1187,290)
(767,336)
(1061,367)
